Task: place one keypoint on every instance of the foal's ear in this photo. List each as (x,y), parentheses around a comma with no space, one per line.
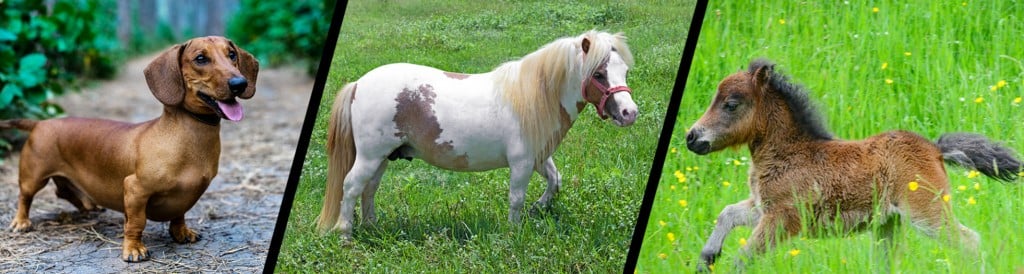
(250,68)
(163,76)
(586,45)
(762,75)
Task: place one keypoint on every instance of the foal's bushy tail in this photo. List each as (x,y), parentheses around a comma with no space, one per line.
(341,155)
(978,152)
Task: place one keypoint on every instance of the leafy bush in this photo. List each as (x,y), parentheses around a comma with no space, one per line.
(43,52)
(282,31)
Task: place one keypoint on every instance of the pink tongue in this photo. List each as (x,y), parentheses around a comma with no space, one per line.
(232,110)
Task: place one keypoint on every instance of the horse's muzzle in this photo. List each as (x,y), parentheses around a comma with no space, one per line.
(695,144)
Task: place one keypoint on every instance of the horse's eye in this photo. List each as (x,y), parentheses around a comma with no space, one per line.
(232,55)
(201,59)
(598,75)
(731,106)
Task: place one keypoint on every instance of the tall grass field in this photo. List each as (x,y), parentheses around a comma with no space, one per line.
(926,66)
(432,220)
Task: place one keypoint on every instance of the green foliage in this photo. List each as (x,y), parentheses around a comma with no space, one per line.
(433,220)
(44,52)
(283,31)
(924,66)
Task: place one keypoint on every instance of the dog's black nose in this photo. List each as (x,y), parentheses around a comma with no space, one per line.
(237,85)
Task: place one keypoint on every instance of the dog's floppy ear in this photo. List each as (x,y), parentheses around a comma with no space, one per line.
(250,68)
(164,78)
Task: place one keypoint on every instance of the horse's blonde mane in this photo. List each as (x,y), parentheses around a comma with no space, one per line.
(534,84)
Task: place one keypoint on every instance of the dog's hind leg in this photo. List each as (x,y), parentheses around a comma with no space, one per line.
(367,204)
(75,196)
(738,214)
(31,179)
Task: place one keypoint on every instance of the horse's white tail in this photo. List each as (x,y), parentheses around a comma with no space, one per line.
(341,154)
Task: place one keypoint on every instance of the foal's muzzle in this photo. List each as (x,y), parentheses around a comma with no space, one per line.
(695,144)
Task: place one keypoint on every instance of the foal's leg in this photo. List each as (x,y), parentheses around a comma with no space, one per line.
(520,173)
(362,171)
(738,214)
(885,243)
(766,234)
(548,171)
(367,206)
(933,216)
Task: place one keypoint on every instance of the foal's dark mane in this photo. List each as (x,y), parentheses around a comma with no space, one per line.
(802,109)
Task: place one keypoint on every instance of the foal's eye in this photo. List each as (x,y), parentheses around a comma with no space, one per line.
(201,59)
(731,106)
(598,75)
(232,55)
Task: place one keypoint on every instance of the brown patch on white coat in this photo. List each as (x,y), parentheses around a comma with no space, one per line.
(415,114)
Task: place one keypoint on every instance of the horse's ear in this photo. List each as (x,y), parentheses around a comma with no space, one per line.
(762,75)
(586,45)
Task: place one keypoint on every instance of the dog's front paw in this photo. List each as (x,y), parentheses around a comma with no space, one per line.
(23,225)
(133,251)
(184,235)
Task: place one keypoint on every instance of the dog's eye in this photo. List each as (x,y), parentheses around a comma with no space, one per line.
(201,59)
(232,55)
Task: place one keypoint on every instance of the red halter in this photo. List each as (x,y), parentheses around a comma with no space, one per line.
(605,93)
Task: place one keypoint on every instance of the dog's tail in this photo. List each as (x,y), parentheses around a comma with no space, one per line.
(341,154)
(978,152)
(22,124)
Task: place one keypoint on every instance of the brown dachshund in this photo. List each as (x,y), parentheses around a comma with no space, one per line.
(153,170)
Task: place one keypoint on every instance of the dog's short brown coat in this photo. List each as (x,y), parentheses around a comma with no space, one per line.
(153,170)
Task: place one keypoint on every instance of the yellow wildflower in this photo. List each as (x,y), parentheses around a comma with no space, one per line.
(1001,84)
(673,150)
(736,162)
(689,169)
(782,21)
(683,203)
(680,176)
(662,256)
(672,187)
(888,81)
(945,198)
(906,53)
(971,200)
(979,99)
(972,174)
(992,88)
(726,184)
(912,186)
(875,9)
(885,65)
(671,237)
(977,186)
(794,252)
(1016,100)
(662,223)
(961,188)
(743,241)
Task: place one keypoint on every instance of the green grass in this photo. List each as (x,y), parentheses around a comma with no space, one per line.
(432,220)
(941,57)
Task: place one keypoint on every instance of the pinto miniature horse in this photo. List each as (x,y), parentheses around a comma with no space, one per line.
(801,177)
(514,116)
